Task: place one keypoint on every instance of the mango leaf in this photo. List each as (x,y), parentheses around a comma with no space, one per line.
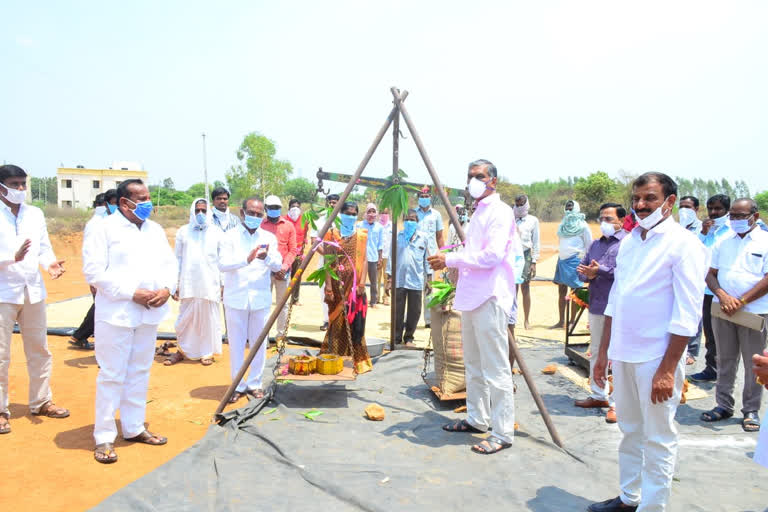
(270,411)
(311,415)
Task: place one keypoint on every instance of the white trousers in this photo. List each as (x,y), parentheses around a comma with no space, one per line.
(280,286)
(596,325)
(245,325)
(198,328)
(125,356)
(322,301)
(648,450)
(490,393)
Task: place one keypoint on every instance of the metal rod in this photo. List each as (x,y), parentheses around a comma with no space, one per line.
(205,169)
(532,387)
(296,279)
(393,248)
(457,226)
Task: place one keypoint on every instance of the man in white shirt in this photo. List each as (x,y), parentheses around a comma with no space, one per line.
(247,256)
(198,326)
(739,279)
(528,230)
(24,246)
(128,260)
(330,202)
(653,308)
(431,224)
(222,217)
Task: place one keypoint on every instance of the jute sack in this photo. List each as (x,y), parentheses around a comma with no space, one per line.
(449,356)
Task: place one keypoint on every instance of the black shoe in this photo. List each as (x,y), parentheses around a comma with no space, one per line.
(706,375)
(81,344)
(614,505)
(427,326)
(324,327)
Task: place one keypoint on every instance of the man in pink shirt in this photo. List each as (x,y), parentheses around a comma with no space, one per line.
(485,294)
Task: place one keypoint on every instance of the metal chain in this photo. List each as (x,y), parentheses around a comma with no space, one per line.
(282,341)
(427,356)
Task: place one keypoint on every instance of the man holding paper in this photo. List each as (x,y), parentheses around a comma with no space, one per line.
(739,279)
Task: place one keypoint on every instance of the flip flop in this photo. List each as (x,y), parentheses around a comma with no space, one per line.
(494,444)
(147,437)
(258,394)
(716,414)
(107,450)
(49,409)
(462,426)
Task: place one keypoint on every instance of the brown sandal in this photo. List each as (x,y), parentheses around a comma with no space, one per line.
(174,358)
(258,394)
(105,453)
(235,397)
(50,410)
(147,437)
(206,361)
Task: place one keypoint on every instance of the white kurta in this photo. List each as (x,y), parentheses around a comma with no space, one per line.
(118,259)
(198,326)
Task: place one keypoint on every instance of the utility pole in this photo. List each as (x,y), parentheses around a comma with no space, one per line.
(205,169)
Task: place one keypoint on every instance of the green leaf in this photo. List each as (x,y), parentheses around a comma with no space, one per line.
(270,411)
(311,415)
(276,418)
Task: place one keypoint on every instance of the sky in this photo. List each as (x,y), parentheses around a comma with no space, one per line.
(543,89)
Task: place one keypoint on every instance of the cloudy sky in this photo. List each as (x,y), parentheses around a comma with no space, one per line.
(543,89)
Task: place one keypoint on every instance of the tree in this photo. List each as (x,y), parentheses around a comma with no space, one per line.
(44,189)
(762,201)
(168,183)
(197,190)
(508,191)
(301,189)
(258,171)
(593,191)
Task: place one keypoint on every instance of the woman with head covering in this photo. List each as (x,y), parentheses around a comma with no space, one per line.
(575,238)
(347,305)
(198,327)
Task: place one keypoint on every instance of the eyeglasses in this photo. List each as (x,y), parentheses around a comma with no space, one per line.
(741,216)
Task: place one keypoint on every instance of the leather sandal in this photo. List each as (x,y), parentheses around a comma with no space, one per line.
(148,437)
(105,453)
(50,410)
(174,358)
(5,427)
(235,397)
(716,414)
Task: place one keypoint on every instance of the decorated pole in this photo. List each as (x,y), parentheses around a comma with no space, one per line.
(393,248)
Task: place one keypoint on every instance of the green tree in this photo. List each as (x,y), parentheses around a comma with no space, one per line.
(508,191)
(168,183)
(198,190)
(301,189)
(44,189)
(593,191)
(762,201)
(258,171)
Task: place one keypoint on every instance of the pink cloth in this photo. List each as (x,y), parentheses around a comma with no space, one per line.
(486,265)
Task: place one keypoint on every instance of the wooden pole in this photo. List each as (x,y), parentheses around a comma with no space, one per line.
(457,226)
(393,248)
(296,279)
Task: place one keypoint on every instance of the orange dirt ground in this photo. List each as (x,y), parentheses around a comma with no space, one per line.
(48,463)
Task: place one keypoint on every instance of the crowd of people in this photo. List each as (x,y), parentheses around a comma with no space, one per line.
(655,285)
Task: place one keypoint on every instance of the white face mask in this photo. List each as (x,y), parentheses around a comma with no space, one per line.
(476,188)
(219,214)
(687,216)
(653,219)
(720,221)
(14,196)
(294,213)
(607,228)
(100,210)
(741,226)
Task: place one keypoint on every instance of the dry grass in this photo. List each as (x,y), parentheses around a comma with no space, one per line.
(64,221)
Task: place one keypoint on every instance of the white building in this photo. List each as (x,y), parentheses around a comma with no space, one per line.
(79,186)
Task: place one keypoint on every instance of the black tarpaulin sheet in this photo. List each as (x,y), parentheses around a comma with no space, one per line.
(274,458)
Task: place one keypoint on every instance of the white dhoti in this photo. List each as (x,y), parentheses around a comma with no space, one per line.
(125,356)
(245,325)
(280,286)
(198,328)
(648,449)
(490,390)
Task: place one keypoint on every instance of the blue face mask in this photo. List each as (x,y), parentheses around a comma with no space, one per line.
(111,208)
(273,214)
(252,222)
(347,224)
(200,218)
(143,209)
(409,228)
(424,202)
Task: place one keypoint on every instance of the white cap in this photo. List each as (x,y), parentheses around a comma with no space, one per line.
(273,201)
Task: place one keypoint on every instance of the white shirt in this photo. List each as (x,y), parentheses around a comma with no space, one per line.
(386,241)
(94,221)
(528,229)
(657,290)
(118,259)
(15,277)
(197,251)
(741,263)
(247,285)
(571,246)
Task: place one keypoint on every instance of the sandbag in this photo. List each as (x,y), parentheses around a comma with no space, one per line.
(448,351)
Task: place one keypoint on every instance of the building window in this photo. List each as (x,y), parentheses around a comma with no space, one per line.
(66,204)
(96,184)
(66,184)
